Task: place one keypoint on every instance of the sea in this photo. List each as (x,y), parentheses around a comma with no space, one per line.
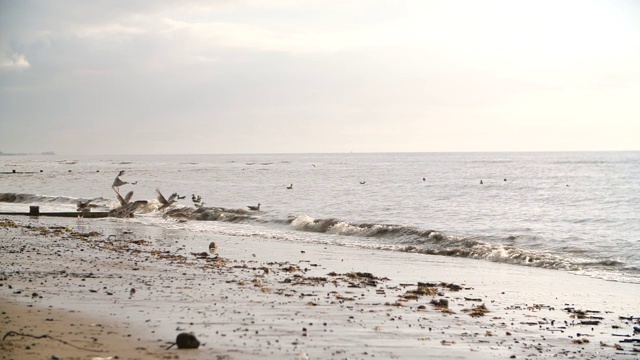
(575,212)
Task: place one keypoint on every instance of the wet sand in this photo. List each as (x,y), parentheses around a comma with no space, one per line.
(128,290)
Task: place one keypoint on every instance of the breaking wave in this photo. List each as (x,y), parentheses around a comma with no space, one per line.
(372,235)
(432,242)
(44,199)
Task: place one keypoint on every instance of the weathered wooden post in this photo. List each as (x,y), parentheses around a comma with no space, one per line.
(34,210)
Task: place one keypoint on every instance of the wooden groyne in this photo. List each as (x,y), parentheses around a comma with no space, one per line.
(20,172)
(35,211)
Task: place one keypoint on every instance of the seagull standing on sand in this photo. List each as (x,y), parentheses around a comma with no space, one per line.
(254,208)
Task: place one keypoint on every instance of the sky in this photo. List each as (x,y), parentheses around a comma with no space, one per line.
(315,76)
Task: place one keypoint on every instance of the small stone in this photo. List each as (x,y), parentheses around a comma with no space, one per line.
(187,341)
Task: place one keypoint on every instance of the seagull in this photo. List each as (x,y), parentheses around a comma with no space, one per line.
(290,187)
(181,197)
(165,203)
(117,182)
(124,201)
(200,208)
(255,208)
(86,205)
(213,247)
(362,182)
(196,199)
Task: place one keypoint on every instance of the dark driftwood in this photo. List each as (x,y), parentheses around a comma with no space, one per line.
(125,211)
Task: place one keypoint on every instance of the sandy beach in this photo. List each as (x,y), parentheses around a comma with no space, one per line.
(113,289)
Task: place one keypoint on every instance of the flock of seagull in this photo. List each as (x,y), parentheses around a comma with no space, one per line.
(87,205)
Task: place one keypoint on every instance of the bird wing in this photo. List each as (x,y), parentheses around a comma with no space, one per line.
(161,198)
(173,197)
(128,197)
(120,199)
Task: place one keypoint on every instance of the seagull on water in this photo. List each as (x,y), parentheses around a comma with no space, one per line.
(165,202)
(254,208)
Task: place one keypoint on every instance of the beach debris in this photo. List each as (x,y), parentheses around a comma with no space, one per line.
(442,305)
(422,290)
(477,311)
(46,336)
(186,341)
(589,322)
(8,224)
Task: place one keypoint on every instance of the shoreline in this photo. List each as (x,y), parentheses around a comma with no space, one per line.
(268,298)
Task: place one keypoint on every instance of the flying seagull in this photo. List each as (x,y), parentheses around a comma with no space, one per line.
(117,182)
(85,205)
(127,198)
(165,202)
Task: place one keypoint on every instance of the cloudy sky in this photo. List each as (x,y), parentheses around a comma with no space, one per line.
(290,76)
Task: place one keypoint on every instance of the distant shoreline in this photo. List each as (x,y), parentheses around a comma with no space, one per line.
(19,154)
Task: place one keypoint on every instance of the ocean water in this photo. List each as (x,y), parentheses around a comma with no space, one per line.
(574,211)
